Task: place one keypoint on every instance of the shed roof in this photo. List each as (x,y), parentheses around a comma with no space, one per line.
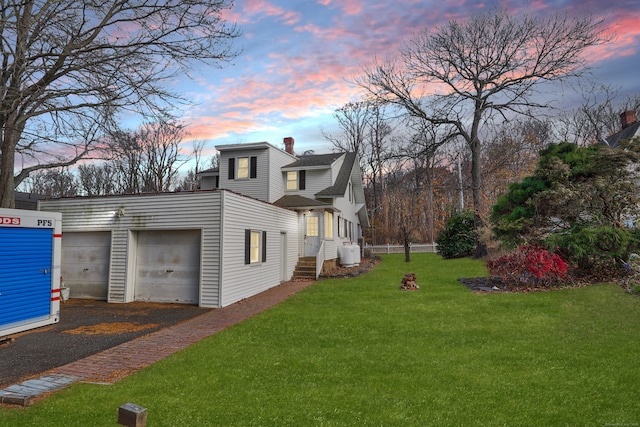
(300,202)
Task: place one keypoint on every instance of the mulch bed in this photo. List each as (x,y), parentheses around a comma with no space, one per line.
(365,265)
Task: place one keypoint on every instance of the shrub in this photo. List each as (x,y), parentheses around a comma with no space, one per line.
(592,248)
(529,265)
(458,239)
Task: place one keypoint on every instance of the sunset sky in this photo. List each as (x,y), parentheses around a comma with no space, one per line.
(297,57)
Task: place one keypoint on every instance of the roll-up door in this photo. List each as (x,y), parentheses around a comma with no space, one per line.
(85,263)
(25,276)
(168,266)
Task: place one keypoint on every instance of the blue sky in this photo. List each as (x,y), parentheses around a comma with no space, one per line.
(297,58)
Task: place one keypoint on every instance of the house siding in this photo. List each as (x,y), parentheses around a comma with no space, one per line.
(277,183)
(173,211)
(316,181)
(243,280)
(253,187)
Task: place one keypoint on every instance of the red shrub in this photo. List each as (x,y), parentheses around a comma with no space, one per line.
(531,265)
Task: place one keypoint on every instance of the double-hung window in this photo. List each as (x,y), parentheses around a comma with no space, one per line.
(296,180)
(328,225)
(255,246)
(243,167)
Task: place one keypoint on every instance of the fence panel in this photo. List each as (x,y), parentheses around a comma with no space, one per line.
(399,249)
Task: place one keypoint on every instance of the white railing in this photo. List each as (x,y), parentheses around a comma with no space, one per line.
(399,249)
(319,259)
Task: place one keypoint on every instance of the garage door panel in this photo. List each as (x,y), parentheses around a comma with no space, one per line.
(85,263)
(168,266)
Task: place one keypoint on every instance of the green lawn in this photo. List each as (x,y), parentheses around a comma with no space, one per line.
(362,352)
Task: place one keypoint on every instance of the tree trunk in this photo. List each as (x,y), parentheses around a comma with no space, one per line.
(476,186)
(407,251)
(7,160)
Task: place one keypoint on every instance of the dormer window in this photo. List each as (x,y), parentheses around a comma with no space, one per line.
(243,167)
(296,180)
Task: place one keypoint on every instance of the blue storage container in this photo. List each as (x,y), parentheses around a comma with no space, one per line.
(30,243)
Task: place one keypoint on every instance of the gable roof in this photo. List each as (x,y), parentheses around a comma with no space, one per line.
(627,133)
(339,186)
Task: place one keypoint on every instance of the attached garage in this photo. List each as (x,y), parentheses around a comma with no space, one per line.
(184,247)
(85,270)
(168,266)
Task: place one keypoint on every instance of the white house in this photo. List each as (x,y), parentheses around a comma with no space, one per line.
(257,217)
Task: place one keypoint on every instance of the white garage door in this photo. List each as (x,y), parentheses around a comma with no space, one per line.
(85,263)
(168,266)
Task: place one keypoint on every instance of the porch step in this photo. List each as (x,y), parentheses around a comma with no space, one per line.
(305,269)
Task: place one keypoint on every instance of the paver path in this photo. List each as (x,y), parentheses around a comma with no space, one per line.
(117,362)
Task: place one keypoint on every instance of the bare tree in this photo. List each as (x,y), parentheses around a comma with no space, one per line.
(161,143)
(147,159)
(70,66)
(98,179)
(58,182)
(460,74)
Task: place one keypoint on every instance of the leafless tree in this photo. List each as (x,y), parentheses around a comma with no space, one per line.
(461,74)
(98,179)
(58,182)
(69,67)
(147,159)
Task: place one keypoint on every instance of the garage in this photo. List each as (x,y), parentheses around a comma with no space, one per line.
(85,267)
(168,266)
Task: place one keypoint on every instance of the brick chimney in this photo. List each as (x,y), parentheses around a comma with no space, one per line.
(628,118)
(288,145)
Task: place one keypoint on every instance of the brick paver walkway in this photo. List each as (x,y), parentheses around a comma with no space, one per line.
(117,362)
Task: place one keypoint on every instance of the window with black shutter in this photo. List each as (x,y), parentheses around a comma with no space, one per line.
(232,168)
(254,167)
(302,177)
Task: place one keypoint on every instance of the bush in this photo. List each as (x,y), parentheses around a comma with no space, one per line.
(529,265)
(458,239)
(592,248)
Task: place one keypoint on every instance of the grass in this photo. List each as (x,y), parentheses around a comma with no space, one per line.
(361,352)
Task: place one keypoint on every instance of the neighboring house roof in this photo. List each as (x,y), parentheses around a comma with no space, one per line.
(211,171)
(27,201)
(627,133)
(339,186)
(300,202)
(314,160)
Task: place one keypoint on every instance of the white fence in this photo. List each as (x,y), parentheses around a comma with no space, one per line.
(399,249)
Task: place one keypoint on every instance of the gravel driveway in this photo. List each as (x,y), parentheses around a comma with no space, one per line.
(86,327)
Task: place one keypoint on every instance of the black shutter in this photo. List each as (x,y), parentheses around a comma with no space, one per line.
(247,246)
(302,177)
(232,168)
(264,246)
(254,168)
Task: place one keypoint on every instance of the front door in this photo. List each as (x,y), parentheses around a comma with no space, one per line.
(311,234)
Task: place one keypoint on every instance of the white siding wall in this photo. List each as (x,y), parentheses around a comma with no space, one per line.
(316,180)
(277,159)
(172,211)
(253,187)
(241,280)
